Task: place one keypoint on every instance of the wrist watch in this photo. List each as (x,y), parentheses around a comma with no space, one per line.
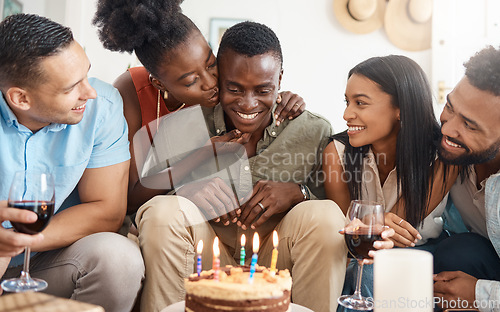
(305,192)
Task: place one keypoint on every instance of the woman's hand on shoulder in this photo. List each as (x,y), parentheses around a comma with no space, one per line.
(405,234)
(290,105)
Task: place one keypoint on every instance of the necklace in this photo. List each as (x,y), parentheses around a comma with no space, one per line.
(179,108)
(158,110)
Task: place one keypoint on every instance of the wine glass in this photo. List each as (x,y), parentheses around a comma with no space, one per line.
(34,191)
(365,223)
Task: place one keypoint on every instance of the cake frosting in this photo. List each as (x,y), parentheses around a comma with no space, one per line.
(233,292)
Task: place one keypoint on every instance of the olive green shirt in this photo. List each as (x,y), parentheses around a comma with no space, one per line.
(290,152)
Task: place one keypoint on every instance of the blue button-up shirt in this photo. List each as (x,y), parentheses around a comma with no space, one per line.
(100,139)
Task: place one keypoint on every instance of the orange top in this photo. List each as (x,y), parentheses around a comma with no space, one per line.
(147,94)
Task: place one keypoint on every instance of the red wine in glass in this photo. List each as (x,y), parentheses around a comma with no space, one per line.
(44,211)
(364,225)
(360,242)
(32,190)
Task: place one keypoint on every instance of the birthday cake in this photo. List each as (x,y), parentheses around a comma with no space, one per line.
(234,292)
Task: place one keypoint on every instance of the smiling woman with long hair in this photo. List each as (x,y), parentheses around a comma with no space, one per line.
(388,154)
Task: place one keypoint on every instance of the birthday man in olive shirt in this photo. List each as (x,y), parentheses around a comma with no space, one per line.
(277,172)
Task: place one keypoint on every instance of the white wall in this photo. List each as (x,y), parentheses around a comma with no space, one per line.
(34,6)
(106,65)
(318,52)
(78,14)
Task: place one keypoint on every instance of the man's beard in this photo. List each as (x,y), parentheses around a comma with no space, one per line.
(469,158)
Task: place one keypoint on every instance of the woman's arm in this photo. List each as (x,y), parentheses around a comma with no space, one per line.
(137,194)
(406,235)
(335,187)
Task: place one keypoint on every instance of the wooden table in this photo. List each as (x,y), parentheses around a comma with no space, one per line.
(40,302)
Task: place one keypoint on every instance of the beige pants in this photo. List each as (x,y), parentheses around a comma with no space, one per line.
(310,247)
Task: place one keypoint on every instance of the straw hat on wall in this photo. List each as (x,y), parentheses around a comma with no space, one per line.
(408,24)
(360,16)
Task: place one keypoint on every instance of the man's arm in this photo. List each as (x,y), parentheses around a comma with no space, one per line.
(103,195)
(488,292)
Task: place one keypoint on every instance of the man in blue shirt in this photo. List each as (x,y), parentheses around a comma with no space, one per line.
(53,118)
(470,262)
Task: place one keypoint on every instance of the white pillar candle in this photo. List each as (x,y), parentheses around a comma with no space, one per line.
(403,280)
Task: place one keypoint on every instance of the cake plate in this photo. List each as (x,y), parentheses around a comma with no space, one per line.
(179,307)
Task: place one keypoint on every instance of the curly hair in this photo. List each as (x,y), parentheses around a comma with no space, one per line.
(483,70)
(151,28)
(25,40)
(250,39)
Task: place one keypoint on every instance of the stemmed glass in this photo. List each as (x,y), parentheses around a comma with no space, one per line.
(34,191)
(365,223)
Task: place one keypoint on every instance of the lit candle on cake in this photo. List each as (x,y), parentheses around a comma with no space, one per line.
(274,258)
(254,256)
(199,250)
(242,251)
(216,262)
